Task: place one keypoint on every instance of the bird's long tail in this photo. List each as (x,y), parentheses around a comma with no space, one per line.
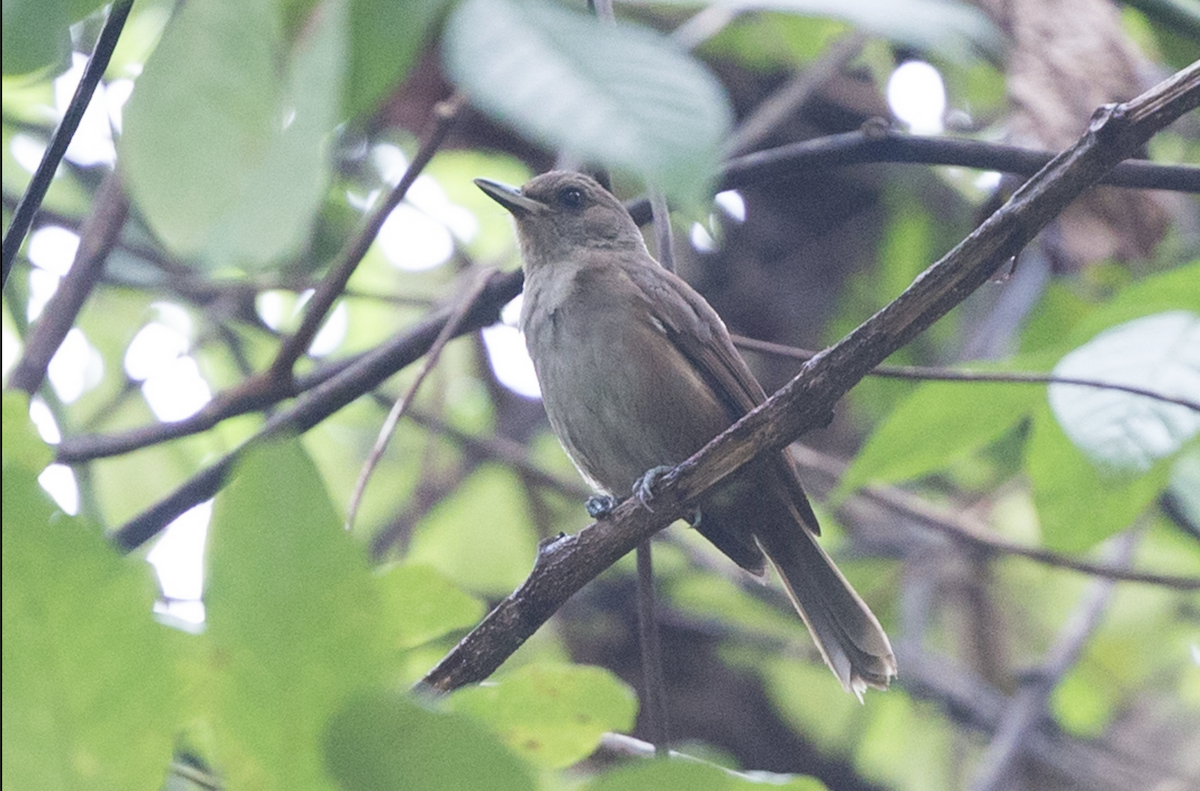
(845,630)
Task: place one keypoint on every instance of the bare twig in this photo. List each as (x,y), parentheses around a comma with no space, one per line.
(565,565)
(23,216)
(463,305)
(975,533)
(445,114)
(877,143)
(933,373)
(1027,708)
(362,376)
(96,239)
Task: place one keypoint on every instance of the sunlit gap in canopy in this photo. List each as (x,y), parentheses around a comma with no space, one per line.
(917,96)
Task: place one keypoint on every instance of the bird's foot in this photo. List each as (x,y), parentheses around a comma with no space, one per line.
(643,488)
(599,506)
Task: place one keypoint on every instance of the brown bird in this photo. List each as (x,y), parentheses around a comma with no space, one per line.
(638,372)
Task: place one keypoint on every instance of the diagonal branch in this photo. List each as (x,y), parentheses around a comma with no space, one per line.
(565,564)
(31,201)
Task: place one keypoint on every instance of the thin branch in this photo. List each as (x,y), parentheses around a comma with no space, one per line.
(463,305)
(877,143)
(934,373)
(96,238)
(975,533)
(972,701)
(22,219)
(1028,707)
(563,566)
(445,114)
(363,375)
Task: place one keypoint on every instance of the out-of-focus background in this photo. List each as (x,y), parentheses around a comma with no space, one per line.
(1032,551)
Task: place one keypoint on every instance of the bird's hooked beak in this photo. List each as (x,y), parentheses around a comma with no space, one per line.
(510,198)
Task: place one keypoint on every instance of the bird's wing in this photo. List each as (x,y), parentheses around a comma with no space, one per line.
(698,332)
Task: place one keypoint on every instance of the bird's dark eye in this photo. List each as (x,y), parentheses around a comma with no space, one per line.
(571,197)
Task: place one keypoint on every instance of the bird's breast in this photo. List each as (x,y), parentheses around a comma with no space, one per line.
(619,394)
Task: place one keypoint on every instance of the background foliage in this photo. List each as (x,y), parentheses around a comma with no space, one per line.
(1024,546)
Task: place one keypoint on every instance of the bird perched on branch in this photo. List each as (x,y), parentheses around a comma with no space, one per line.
(638,372)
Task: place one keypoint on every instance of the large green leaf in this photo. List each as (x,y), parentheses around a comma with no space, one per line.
(1078,504)
(35,34)
(481,536)
(386,37)
(1119,430)
(620,96)
(386,742)
(224,143)
(553,715)
(420,604)
(950,28)
(938,424)
(90,697)
(293,619)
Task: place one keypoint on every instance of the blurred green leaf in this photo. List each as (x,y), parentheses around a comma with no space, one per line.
(386,742)
(695,776)
(90,697)
(1078,504)
(940,423)
(954,30)
(293,619)
(773,40)
(479,537)
(386,36)
(708,597)
(913,761)
(1176,289)
(22,445)
(621,96)
(420,604)
(1119,430)
(1185,483)
(552,715)
(35,34)
(655,775)
(225,134)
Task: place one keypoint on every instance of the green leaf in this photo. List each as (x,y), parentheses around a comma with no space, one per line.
(420,604)
(620,96)
(225,135)
(949,28)
(938,424)
(553,715)
(1079,505)
(1120,430)
(654,775)
(387,742)
(1185,483)
(709,597)
(35,35)
(386,36)
(293,619)
(695,776)
(480,537)
(88,686)
(22,445)
(1178,289)
(283,192)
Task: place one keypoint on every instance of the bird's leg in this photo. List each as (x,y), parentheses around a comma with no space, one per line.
(599,506)
(643,488)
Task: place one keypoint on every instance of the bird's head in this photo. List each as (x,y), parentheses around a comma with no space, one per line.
(562,214)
